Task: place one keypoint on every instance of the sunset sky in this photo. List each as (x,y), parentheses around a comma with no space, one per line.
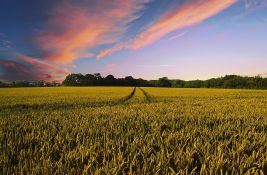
(180,39)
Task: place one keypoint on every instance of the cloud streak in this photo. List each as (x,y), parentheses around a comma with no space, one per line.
(178,35)
(28,68)
(71,31)
(255,4)
(187,15)
(75,28)
(5,44)
(110,51)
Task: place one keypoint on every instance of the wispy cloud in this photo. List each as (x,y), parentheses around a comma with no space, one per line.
(29,68)
(5,44)
(109,51)
(157,66)
(187,15)
(255,4)
(75,28)
(178,35)
(71,31)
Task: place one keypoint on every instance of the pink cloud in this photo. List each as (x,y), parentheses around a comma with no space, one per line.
(190,14)
(10,65)
(44,70)
(74,29)
(109,51)
(178,35)
(29,68)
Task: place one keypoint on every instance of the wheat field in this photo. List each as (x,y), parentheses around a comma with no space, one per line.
(126,130)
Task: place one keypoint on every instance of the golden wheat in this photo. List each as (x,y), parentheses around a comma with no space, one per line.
(118,130)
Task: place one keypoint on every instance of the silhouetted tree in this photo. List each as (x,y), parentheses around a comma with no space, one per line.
(3,84)
(129,81)
(228,81)
(90,80)
(110,80)
(20,84)
(39,83)
(164,82)
(71,80)
(99,79)
(178,83)
(142,83)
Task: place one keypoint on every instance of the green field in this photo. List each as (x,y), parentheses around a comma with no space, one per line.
(126,130)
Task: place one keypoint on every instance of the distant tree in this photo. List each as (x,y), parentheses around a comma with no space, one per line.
(110,80)
(153,83)
(3,84)
(99,79)
(178,83)
(120,82)
(39,83)
(20,84)
(129,81)
(90,80)
(263,83)
(164,82)
(80,79)
(54,84)
(233,81)
(142,83)
(228,81)
(48,84)
(194,84)
(98,76)
(71,80)
(214,83)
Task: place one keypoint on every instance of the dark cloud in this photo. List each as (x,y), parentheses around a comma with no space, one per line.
(12,70)
(28,68)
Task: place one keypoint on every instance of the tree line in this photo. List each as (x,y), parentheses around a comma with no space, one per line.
(228,81)
(36,83)
(97,80)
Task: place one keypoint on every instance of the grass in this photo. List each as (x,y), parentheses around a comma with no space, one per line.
(119,130)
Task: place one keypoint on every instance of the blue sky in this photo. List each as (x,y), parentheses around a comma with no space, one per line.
(180,39)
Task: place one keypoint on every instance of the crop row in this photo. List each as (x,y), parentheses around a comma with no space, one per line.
(150,131)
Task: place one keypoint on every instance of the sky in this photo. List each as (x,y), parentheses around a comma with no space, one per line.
(179,39)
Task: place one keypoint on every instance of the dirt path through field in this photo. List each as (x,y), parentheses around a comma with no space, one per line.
(147,96)
(137,95)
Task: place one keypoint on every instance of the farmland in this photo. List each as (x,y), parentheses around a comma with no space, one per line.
(126,130)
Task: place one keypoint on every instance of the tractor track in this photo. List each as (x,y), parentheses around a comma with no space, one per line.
(123,101)
(25,107)
(147,96)
(128,97)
